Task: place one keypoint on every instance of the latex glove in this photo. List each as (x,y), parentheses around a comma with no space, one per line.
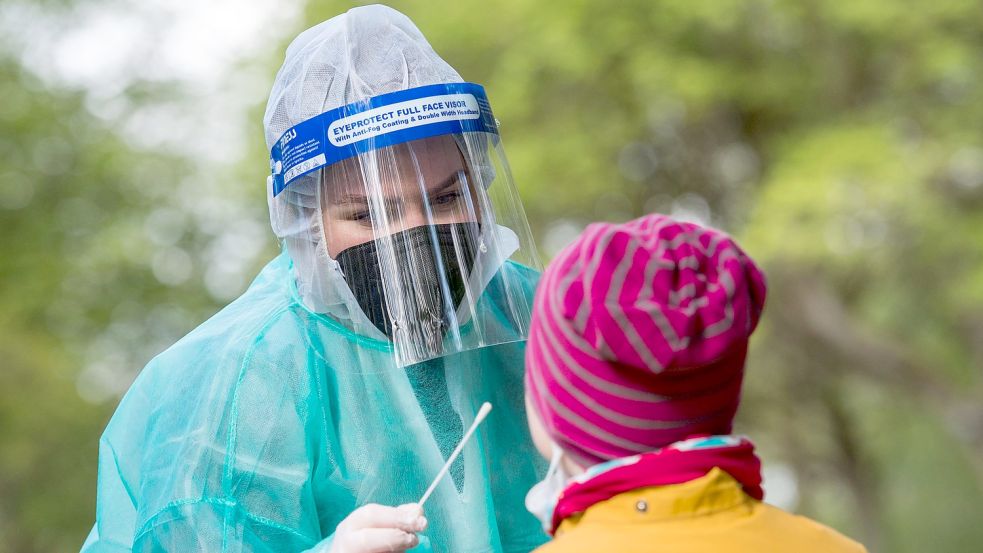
(379,529)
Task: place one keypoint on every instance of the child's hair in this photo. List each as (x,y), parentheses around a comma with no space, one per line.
(639,336)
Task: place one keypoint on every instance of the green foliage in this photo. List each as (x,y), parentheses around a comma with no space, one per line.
(81,308)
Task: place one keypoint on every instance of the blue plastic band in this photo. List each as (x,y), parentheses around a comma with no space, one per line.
(378,122)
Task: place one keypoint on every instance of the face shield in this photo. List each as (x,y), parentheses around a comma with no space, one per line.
(403,223)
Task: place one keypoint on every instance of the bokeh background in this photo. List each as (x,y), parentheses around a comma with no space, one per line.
(841,142)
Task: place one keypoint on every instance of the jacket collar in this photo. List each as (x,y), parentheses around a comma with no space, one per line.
(713,493)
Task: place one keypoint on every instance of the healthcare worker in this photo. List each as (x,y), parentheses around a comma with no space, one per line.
(312,412)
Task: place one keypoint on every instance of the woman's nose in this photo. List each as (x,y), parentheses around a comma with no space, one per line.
(409,216)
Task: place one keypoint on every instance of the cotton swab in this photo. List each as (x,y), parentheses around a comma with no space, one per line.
(482,413)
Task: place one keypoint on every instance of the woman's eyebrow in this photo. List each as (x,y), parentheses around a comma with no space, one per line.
(360,198)
(352,198)
(443,185)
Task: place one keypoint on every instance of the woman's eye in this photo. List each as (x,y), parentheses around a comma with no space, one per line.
(359,216)
(448,198)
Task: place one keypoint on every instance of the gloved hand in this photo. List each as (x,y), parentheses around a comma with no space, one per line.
(379,529)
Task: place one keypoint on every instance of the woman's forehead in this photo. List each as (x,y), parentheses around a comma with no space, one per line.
(431,160)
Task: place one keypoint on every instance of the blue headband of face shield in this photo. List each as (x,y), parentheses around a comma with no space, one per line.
(377,122)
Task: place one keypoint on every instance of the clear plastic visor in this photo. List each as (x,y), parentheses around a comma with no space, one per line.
(422,245)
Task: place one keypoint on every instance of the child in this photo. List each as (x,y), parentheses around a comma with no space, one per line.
(634,366)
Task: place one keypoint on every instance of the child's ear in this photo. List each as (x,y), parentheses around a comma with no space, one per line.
(572,466)
(542,441)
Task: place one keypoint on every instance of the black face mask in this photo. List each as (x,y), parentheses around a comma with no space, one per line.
(425,314)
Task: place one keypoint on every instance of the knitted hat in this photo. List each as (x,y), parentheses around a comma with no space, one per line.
(639,336)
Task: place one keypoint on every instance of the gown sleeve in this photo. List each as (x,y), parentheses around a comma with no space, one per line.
(213,449)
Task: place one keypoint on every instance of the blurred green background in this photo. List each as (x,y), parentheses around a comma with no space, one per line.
(841,142)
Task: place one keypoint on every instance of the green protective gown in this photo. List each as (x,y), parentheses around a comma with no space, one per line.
(268,424)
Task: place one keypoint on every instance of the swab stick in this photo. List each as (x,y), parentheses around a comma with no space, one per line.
(482,413)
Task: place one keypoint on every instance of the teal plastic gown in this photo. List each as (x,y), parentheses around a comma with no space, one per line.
(267,425)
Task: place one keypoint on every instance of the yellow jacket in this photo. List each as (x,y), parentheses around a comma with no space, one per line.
(707,515)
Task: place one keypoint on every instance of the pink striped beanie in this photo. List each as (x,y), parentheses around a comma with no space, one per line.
(639,335)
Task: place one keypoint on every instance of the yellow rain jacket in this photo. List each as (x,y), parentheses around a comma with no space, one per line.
(707,515)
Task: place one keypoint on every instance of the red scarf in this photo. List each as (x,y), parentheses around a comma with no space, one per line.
(674,464)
